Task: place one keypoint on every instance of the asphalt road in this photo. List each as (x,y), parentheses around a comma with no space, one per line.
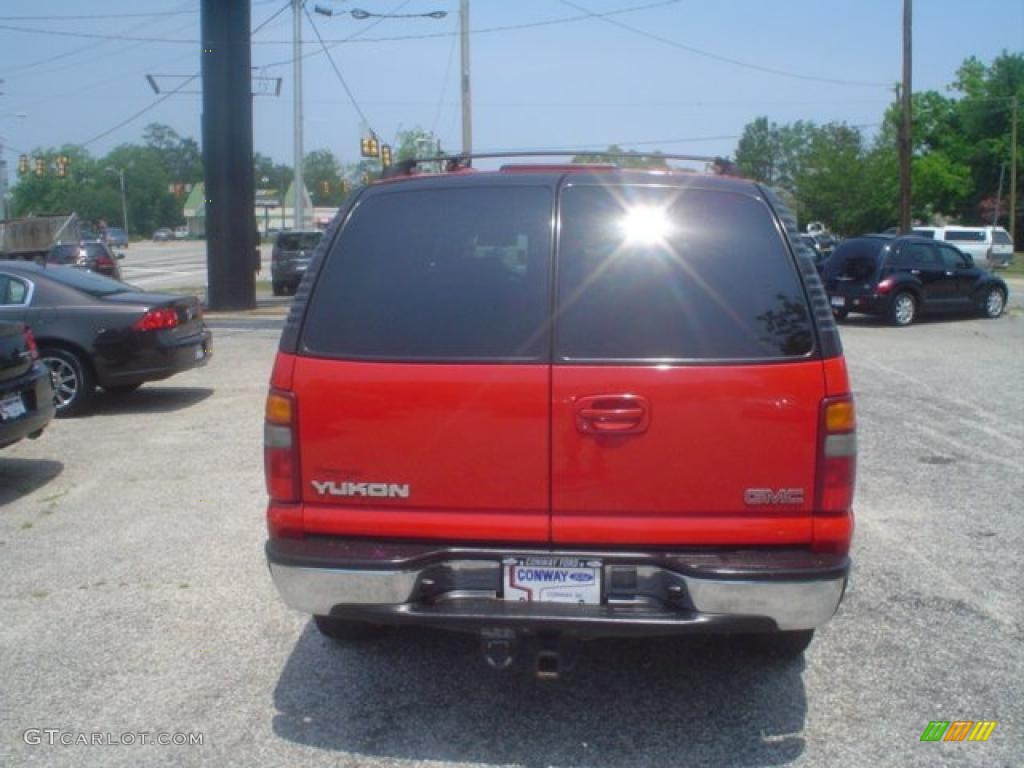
(135,599)
(168,266)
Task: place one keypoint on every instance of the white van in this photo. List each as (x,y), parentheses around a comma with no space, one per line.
(988,246)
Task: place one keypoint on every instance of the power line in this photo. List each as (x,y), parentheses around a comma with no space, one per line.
(82,49)
(444,81)
(335,42)
(724,59)
(334,66)
(173,91)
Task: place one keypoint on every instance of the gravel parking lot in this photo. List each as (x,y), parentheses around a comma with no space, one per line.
(136,599)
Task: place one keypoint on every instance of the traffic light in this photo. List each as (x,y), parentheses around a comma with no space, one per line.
(23,165)
(61,172)
(369,147)
(345,187)
(325,187)
(385,156)
(40,166)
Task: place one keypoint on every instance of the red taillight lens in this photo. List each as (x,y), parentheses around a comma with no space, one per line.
(157,319)
(104,261)
(885,286)
(837,471)
(281,456)
(30,345)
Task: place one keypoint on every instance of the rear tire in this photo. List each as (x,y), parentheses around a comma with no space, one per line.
(783,645)
(993,303)
(903,310)
(840,314)
(346,631)
(73,382)
(278,288)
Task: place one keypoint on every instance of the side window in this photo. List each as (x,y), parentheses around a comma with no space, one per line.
(653,273)
(952,258)
(920,255)
(438,274)
(12,291)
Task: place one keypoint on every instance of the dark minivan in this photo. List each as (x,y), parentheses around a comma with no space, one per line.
(290,258)
(900,277)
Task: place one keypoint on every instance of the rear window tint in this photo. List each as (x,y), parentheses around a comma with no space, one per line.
(65,254)
(675,274)
(298,241)
(965,236)
(439,274)
(855,259)
(1001,238)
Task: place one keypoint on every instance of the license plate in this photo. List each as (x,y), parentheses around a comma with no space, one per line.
(838,301)
(11,408)
(553,580)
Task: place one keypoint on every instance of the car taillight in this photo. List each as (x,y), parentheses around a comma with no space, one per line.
(885,286)
(104,261)
(157,319)
(837,470)
(30,345)
(281,462)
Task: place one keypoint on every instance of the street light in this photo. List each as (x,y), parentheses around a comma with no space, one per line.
(359,13)
(124,204)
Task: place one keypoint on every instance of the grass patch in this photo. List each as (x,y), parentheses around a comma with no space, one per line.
(1017,268)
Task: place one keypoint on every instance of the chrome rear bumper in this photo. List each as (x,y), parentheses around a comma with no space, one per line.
(459,586)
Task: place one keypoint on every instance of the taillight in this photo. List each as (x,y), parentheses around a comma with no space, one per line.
(837,470)
(157,319)
(281,460)
(104,261)
(30,345)
(885,286)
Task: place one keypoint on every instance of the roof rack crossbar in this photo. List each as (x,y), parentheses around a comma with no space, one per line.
(460,160)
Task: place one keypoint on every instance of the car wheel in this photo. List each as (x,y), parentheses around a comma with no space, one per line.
(122,389)
(903,309)
(278,289)
(782,645)
(73,382)
(994,303)
(346,630)
(840,314)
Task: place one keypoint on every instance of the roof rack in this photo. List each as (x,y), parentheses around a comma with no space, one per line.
(463,161)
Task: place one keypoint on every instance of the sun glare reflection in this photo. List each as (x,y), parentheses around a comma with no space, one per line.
(646,225)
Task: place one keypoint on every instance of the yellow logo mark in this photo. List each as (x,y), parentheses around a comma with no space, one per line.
(982,730)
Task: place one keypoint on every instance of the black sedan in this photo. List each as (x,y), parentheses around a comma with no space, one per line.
(95,331)
(26,396)
(902,277)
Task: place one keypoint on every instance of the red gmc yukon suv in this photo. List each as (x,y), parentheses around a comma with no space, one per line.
(562,400)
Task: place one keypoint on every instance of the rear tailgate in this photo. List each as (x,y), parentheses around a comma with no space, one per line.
(686,389)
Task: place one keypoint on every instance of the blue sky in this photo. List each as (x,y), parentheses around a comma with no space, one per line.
(565,84)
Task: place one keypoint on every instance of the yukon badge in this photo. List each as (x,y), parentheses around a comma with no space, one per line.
(755,497)
(374,490)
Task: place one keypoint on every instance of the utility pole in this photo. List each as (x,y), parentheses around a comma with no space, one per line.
(467,96)
(1013,171)
(124,200)
(227,154)
(298,208)
(905,124)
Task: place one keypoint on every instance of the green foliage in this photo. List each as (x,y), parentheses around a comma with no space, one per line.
(628,160)
(322,171)
(959,145)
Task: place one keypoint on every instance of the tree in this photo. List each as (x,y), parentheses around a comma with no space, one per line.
(271,175)
(322,175)
(627,160)
(416,143)
(180,157)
